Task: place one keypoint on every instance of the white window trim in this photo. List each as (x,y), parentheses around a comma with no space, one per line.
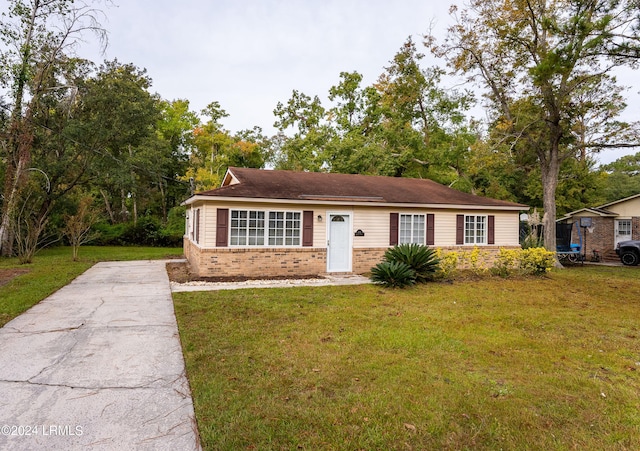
(266,229)
(423,237)
(485,237)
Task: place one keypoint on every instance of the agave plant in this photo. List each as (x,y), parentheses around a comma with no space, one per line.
(393,274)
(422,259)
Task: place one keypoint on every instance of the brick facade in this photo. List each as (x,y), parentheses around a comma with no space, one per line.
(292,262)
(600,236)
(255,262)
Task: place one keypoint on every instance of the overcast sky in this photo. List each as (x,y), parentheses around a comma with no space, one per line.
(250,54)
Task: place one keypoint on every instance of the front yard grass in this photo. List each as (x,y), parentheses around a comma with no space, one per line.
(530,363)
(54,268)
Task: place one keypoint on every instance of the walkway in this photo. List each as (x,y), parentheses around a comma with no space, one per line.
(97,365)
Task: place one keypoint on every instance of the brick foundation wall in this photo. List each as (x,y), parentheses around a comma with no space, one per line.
(635,228)
(255,263)
(268,262)
(366,258)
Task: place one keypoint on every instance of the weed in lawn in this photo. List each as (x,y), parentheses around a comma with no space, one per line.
(525,363)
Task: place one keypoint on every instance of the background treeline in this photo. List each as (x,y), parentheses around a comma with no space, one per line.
(90,153)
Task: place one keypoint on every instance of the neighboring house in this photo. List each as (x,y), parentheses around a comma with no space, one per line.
(603,227)
(263,223)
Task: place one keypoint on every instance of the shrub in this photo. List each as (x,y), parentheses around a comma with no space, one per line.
(448,263)
(506,262)
(147,232)
(475,260)
(393,274)
(537,260)
(422,259)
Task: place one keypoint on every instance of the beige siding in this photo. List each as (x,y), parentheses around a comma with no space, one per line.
(208,222)
(627,209)
(507,228)
(445,228)
(373,221)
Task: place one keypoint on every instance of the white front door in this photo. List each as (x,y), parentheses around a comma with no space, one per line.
(623,230)
(339,243)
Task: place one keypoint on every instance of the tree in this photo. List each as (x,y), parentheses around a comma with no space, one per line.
(215,149)
(37,34)
(77,226)
(120,120)
(623,178)
(424,124)
(404,124)
(306,116)
(545,53)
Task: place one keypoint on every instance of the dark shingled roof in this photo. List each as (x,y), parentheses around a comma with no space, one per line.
(320,186)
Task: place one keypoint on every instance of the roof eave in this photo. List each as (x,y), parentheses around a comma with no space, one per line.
(342,203)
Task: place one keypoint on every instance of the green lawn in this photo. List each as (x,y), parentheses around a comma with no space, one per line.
(53,268)
(533,363)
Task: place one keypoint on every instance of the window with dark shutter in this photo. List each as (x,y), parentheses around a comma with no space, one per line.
(431,229)
(307,228)
(196,225)
(222,227)
(393,228)
(459,229)
(491,233)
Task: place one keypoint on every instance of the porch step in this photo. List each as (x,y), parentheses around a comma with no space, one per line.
(609,256)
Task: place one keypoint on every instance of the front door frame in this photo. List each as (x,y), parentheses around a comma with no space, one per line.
(616,233)
(349,215)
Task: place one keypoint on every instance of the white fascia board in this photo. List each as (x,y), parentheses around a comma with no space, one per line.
(216,199)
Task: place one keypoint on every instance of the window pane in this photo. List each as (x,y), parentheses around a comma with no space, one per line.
(469,229)
(624,227)
(475,229)
(480,229)
(411,229)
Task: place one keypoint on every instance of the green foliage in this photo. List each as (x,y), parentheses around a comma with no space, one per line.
(507,261)
(421,259)
(475,260)
(532,240)
(537,260)
(393,274)
(448,263)
(623,178)
(148,231)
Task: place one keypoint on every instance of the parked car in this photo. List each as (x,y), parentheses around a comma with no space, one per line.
(629,252)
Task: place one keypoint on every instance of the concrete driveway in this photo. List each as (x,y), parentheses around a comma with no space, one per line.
(97,365)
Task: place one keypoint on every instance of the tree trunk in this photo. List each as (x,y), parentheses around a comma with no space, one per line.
(164,200)
(550,170)
(124,213)
(107,206)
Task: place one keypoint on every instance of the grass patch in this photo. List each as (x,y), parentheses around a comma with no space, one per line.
(54,268)
(529,363)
